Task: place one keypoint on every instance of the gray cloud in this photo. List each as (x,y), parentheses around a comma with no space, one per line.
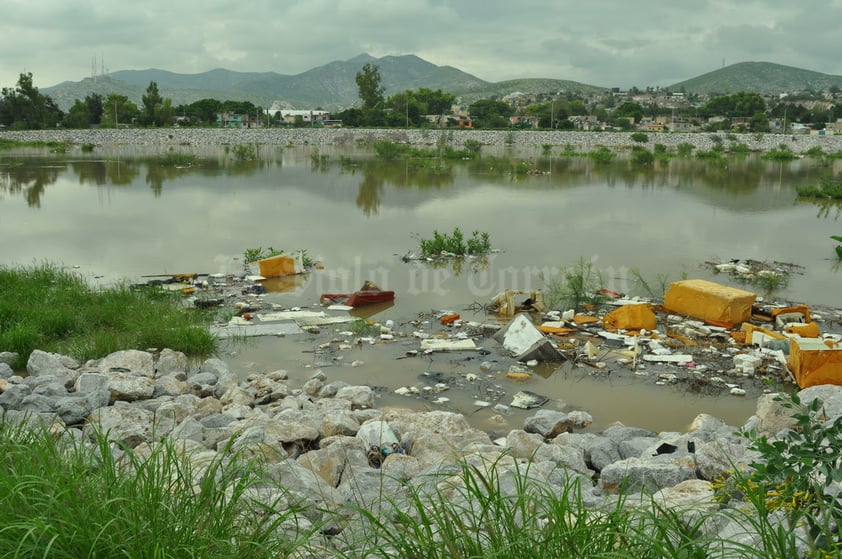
(600,42)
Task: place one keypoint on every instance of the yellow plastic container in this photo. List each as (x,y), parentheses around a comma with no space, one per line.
(709,301)
(813,361)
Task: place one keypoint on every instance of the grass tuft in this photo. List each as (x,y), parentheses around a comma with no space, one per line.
(67,497)
(48,308)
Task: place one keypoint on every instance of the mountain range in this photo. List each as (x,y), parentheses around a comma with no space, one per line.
(333,85)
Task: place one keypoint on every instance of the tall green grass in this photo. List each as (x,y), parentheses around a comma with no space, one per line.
(65,497)
(48,308)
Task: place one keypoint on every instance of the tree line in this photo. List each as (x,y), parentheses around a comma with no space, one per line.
(25,107)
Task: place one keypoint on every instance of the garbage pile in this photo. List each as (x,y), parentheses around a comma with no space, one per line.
(711,336)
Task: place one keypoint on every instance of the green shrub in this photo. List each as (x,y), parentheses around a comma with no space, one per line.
(246,152)
(793,475)
(602,155)
(782,153)
(578,285)
(709,154)
(456,244)
(738,148)
(684,149)
(639,137)
(473,146)
(827,188)
(642,156)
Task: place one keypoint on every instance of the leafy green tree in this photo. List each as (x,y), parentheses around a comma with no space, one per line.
(165,113)
(759,122)
(24,107)
(93,102)
(629,109)
(203,111)
(488,113)
(78,116)
(239,107)
(350,117)
(151,102)
(738,105)
(368,81)
(118,110)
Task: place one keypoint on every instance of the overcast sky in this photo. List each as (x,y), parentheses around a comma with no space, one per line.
(609,43)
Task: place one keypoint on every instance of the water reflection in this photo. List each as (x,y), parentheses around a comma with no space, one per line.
(31,180)
(734,183)
(421,174)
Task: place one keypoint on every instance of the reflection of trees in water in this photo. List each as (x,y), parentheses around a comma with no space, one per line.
(421,173)
(101,173)
(31,180)
(157,174)
(827,207)
(368,197)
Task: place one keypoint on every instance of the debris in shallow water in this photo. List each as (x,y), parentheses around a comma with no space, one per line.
(527,400)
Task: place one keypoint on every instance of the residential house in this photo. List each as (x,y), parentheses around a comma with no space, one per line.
(234,120)
(308,116)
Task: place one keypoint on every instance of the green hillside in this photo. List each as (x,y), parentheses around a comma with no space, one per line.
(333,85)
(758,77)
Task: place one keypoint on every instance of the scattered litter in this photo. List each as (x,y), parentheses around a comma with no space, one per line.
(630,317)
(368,294)
(505,304)
(814,361)
(525,342)
(526,400)
(228,331)
(672,358)
(436,344)
(755,271)
(281,265)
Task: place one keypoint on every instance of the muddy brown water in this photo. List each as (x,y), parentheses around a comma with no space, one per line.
(115,216)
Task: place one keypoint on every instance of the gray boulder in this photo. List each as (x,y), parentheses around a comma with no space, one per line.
(90,382)
(38,403)
(646,475)
(339,422)
(170,362)
(129,425)
(170,385)
(129,387)
(8,357)
(42,363)
(600,452)
(361,397)
(548,423)
(74,409)
(130,360)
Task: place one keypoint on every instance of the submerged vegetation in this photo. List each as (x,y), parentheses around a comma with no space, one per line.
(576,286)
(827,188)
(387,150)
(455,244)
(52,309)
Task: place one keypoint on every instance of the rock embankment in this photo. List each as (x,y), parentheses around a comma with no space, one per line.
(525,139)
(327,442)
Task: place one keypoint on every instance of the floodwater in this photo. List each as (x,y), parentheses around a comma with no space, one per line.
(118,214)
